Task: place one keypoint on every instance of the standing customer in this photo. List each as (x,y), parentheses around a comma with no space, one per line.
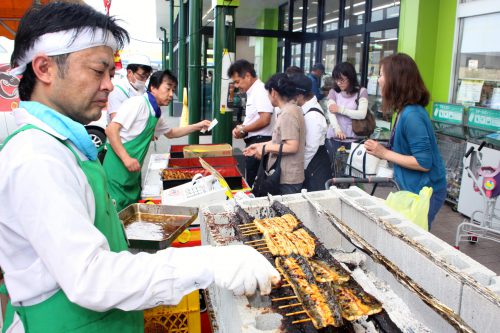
(63,251)
(258,123)
(315,75)
(290,131)
(316,160)
(346,101)
(414,150)
(130,132)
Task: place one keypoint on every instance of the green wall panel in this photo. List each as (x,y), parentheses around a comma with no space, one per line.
(266,48)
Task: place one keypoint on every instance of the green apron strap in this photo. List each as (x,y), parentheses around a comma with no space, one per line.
(123,90)
(125,186)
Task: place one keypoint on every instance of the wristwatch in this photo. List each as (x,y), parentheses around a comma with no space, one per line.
(242,130)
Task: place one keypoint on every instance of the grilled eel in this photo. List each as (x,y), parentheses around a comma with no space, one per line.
(284,244)
(285,223)
(321,307)
(354,301)
(323,272)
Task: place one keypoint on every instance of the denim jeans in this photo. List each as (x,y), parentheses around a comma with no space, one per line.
(290,188)
(437,201)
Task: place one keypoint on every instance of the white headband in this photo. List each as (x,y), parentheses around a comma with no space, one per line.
(63,42)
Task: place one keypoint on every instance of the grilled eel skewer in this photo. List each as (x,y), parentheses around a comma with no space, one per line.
(322,308)
(284,244)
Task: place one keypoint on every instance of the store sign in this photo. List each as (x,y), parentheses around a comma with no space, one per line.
(448,113)
(488,119)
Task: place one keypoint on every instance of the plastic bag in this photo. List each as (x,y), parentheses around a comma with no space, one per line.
(415,207)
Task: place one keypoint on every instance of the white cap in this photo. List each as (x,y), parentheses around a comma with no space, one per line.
(139,59)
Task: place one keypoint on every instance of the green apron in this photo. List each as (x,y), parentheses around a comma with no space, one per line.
(125,186)
(58,314)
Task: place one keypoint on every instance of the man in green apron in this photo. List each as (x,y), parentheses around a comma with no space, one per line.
(62,249)
(134,84)
(130,133)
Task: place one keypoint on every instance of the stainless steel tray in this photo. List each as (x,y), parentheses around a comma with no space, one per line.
(155,227)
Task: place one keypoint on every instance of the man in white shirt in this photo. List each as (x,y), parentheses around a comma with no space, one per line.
(258,123)
(130,133)
(62,247)
(134,84)
(316,160)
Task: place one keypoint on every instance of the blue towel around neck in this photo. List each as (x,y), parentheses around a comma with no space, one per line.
(74,131)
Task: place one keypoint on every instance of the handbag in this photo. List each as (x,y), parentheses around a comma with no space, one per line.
(366,126)
(268,182)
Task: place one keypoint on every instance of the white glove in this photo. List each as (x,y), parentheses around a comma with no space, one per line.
(241,268)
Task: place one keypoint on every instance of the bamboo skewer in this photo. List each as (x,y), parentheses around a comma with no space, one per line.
(289,306)
(265,252)
(251,224)
(283,286)
(295,313)
(255,241)
(283,298)
(251,234)
(301,321)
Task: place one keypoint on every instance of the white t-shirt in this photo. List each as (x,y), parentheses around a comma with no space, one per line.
(49,242)
(258,101)
(316,128)
(123,90)
(133,115)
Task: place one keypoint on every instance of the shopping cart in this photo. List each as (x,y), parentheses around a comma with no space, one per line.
(486,181)
(353,166)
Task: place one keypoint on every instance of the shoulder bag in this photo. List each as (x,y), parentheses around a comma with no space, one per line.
(268,181)
(363,127)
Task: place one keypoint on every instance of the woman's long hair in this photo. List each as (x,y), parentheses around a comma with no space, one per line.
(403,84)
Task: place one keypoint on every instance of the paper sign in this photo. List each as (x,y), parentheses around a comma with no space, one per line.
(495,98)
(372,85)
(470,91)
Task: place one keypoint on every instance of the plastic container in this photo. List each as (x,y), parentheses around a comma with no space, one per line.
(231,174)
(183,318)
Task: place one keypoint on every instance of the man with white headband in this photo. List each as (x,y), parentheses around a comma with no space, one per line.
(134,84)
(62,248)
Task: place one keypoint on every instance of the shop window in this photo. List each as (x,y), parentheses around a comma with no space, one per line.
(329,55)
(382,44)
(331,21)
(298,8)
(312,16)
(384,9)
(354,13)
(309,56)
(478,62)
(295,60)
(352,51)
(283,14)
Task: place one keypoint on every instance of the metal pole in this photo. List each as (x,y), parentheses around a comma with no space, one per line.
(164,48)
(224,38)
(194,81)
(171,49)
(182,52)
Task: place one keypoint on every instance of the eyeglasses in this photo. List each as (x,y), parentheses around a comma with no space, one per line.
(341,80)
(142,76)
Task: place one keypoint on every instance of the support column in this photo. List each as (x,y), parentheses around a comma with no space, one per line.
(164,46)
(224,39)
(194,101)
(171,49)
(181,77)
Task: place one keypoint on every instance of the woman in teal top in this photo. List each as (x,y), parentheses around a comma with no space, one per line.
(413,145)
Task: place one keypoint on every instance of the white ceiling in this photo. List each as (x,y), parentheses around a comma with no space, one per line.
(246,13)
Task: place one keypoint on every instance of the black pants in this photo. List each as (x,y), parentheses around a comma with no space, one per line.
(290,188)
(251,163)
(318,171)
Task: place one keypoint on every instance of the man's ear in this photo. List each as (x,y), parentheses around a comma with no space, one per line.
(45,69)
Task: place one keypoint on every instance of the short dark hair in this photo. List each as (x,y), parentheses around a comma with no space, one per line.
(241,67)
(158,77)
(403,84)
(54,17)
(283,85)
(346,69)
(318,67)
(294,70)
(135,67)
(303,85)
